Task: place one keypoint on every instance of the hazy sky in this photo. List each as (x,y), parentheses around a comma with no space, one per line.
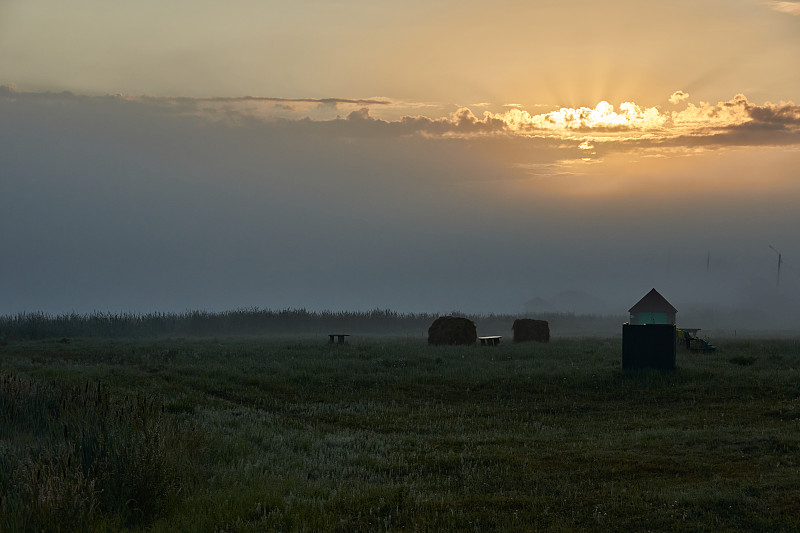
(422,156)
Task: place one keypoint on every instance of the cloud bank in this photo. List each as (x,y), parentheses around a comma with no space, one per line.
(127,203)
(720,123)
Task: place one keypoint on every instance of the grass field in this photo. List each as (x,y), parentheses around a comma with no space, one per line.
(270,434)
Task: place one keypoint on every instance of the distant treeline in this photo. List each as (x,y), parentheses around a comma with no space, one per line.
(30,326)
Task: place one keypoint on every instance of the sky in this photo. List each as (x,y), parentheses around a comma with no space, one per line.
(430,156)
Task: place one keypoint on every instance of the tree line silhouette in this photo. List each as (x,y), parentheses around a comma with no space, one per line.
(255,321)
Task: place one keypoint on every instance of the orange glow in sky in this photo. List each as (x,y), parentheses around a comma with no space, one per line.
(385,129)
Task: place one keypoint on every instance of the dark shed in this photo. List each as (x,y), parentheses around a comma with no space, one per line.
(648,346)
(652,309)
(649,339)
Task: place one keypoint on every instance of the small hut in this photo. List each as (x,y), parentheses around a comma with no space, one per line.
(649,339)
(652,309)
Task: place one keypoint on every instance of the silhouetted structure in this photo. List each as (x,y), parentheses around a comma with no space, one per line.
(649,339)
(652,309)
(452,330)
(529,329)
(648,346)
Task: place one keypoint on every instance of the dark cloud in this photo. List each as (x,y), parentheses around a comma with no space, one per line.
(736,120)
(359,115)
(361,123)
(785,114)
(765,125)
(325,101)
(121,204)
(139,204)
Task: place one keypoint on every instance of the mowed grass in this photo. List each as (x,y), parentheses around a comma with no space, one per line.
(393,434)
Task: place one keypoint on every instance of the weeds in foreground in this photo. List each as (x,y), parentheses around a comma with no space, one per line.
(76,459)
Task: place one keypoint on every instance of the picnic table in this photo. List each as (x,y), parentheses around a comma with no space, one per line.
(339,336)
(492,340)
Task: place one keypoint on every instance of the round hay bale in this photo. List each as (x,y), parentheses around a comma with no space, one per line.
(452,330)
(529,329)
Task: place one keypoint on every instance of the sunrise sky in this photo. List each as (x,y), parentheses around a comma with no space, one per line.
(423,156)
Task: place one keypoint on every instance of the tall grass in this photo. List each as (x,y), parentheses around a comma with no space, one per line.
(76,459)
(31,326)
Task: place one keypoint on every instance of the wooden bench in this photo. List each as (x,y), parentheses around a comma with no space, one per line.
(493,340)
(340,337)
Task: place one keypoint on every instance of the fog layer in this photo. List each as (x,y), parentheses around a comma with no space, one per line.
(109,204)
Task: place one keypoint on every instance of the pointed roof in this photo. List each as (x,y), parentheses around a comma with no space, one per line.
(652,301)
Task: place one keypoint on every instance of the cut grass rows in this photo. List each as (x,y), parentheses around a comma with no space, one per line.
(397,435)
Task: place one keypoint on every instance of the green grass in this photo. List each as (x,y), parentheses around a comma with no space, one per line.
(300,435)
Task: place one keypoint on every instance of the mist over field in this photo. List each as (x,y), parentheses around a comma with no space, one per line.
(133,205)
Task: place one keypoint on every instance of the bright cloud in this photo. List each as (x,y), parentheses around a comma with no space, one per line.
(778,123)
(678,97)
(698,119)
(790,8)
(602,117)
(710,119)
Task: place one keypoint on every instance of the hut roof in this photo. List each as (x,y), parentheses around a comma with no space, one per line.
(652,301)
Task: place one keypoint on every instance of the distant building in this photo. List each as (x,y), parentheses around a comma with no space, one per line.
(652,309)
